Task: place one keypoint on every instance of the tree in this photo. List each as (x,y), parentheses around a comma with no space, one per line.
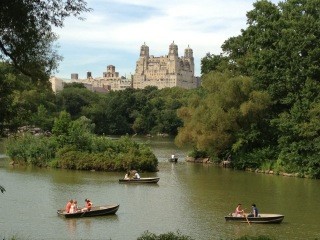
(74,98)
(212,62)
(61,127)
(224,116)
(26,36)
(20,99)
(279,51)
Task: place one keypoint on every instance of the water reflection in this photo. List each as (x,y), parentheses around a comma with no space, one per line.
(71,225)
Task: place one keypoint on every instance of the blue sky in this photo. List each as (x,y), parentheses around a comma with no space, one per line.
(114,31)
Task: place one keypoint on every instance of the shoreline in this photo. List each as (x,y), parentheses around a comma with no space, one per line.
(257,170)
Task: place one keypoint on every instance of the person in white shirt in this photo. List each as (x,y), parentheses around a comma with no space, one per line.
(136,176)
(74,207)
(127,176)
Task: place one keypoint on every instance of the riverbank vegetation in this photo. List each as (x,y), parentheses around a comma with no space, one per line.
(72,145)
(259,101)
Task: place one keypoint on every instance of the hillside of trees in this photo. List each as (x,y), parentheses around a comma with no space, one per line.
(259,101)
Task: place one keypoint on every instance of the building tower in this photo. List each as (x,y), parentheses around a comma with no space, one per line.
(144,51)
(142,63)
(188,55)
(173,59)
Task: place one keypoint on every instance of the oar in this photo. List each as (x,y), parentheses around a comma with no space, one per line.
(246,218)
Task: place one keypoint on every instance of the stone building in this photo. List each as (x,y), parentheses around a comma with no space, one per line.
(165,71)
(110,80)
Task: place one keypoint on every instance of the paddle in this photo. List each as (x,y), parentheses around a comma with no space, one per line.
(246,218)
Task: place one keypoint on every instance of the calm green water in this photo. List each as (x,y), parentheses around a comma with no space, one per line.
(191,198)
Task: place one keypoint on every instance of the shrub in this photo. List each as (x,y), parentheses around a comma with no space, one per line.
(165,236)
(81,150)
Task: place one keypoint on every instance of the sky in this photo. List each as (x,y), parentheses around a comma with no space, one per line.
(113,32)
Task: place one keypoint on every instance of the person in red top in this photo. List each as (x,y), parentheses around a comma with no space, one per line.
(88,205)
(68,206)
(239,211)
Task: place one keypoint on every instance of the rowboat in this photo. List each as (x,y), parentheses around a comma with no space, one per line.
(140,180)
(262,218)
(173,159)
(95,211)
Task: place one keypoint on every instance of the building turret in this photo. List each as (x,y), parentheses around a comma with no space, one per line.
(74,76)
(173,50)
(188,56)
(173,64)
(89,75)
(188,53)
(144,51)
(142,63)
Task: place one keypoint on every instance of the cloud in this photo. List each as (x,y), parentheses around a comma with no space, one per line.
(114,31)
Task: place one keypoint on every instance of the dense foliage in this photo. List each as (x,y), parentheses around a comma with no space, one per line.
(279,52)
(74,146)
(178,236)
(26,36)
(131,111)
(225,113)
(23,101)
(164,236)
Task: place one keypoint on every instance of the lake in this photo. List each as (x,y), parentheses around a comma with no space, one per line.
(190,198)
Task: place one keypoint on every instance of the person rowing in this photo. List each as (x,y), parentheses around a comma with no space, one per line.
(239,212)
(88,205)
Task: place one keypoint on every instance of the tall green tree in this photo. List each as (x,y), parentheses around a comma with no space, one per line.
(279,50)
(223,115)
(27,39)
(20,99)
(74,98)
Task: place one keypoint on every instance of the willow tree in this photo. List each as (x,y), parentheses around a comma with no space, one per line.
(224,116)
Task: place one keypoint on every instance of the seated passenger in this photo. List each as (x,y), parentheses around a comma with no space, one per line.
(127,176)
(74,207)
(136,176)
(239,212)
(255,212)
(88,205)
(68,206)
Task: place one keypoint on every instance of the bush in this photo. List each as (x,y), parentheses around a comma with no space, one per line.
(108,155)
(255,238)
(100,153)
(29,149)
(165,236)
(195,153)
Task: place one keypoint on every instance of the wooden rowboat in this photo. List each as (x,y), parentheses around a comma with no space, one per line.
(263,218)
(173,159)
(140,180)
(95,211)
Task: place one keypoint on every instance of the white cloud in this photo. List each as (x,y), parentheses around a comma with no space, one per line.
(115,36)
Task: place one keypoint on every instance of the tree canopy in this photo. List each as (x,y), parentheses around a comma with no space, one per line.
(280,51)
(26,37)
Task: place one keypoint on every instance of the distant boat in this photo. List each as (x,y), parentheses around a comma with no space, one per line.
(173,158)
(263,218)
(95,211)
(140,180)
